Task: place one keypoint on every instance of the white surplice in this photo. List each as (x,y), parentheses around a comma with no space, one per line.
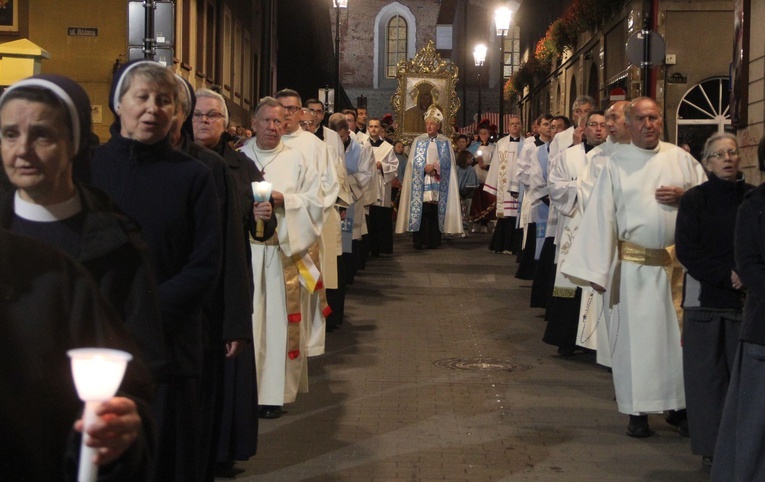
(644,332)
(316,152)
(501,169)
(279,377)
(384,176)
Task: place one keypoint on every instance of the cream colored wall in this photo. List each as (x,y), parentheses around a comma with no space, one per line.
(88,60)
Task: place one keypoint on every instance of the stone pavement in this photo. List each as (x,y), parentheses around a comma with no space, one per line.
(390,399)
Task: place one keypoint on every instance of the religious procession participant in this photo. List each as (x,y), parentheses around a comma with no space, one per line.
(335,296)
(505,239)
(544,276)
(563,310)
(360,166)
(361,120)
(739,448)
(482,151)
(45,202)
(582,106)
(594,312)
(713,301)
(520,185)
(429,191)
(282,304)
(228,313)
(323,256)
(625,246)
(381,212)
(173,198)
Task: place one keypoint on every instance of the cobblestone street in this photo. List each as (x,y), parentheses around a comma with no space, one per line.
(439,373)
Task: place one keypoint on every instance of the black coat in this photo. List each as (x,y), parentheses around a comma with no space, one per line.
(48,305)
(704,229)
(117,258)
(245,172)
(750,263)
(172,197)
(229,311)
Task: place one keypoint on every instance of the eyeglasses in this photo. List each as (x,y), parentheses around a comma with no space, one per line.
(316,111)
(721,154)
(306,123)
(212,115)
(602,125)
(291,109)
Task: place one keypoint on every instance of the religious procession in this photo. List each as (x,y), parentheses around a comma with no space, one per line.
(164,292)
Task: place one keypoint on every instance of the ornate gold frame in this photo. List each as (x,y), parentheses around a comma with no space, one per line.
(425,73)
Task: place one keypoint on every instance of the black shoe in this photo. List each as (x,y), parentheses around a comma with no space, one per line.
(679,419)
(638,427)
(226,470)
(271,411)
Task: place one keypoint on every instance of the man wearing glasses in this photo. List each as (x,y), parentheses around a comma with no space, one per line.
(323,255)
(625,248)
(563,309)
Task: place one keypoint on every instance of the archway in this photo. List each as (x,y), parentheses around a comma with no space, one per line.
(572,94)
(704,110)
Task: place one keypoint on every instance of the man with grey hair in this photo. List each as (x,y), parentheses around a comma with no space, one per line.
(429,191)
(625,247)
(581,107)
(282,305)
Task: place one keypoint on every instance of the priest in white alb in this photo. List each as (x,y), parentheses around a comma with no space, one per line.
(505,238)
(381,212)
(625,249)
(281,301)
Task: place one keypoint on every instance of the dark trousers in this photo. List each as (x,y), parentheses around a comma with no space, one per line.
(562,320)
(429,235)
(741,440)
(506,237)
(710,340)
(544,276)
(336,297)
(380,230)
(527,263)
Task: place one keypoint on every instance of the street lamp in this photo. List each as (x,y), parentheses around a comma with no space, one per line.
(339,5)
(502,17)
(479,55)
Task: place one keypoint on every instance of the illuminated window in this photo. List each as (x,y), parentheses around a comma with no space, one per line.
(395,43)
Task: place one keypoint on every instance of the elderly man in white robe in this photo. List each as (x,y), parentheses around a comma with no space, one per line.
(625,246)
(581,107)
(323,256)
(381,212)
(430,201)
(282,302)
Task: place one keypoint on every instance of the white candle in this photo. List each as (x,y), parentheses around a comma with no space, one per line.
(261,191)
(97,374)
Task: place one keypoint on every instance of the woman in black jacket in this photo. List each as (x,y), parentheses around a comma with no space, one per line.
(172,197)
(51,114)
(713,291)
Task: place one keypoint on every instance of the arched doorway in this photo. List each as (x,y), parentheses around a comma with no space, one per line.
(704,110)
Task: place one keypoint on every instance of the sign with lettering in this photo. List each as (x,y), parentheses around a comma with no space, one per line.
(82,31)
(677,78)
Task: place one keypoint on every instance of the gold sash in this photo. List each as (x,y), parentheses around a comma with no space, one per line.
(292,293)
(664,257)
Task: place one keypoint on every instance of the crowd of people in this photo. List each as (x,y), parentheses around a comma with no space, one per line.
(220,259)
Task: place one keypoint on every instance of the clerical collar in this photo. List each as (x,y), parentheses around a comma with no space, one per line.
(514,139)
(47,214)
(376,143)
(587,147)
(361,129)
(432,139)
(347,143)
(319,133)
